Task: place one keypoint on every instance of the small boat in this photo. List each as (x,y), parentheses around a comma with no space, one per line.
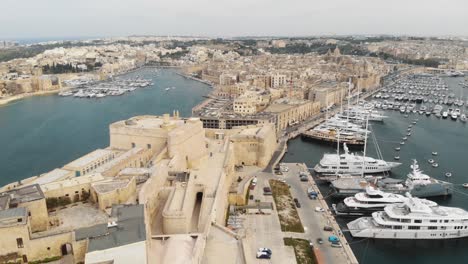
(397,157)
(409,134)
(431,161)
(402,143)
(167,89)
(414,122)
(409,129)
(406,116)
(448,174)
(405,138)
(434,153)
(397,148)
(435,165)
(465,185)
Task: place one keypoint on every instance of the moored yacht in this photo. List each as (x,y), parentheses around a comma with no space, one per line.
(348,163)
(373,200)
(413,219)
(417,184)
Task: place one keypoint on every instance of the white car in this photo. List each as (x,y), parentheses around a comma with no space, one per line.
(265,250)
(319,209)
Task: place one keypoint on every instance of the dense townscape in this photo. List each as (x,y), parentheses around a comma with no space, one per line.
(212,187)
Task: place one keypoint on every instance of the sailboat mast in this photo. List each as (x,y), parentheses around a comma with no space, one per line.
(326,106)
(349,98)
(365,145)
(338,151)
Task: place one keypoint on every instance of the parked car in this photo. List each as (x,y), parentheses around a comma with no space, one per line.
(319,209)
(320,240)
(296,201)
(336,244)
(263,255)
(267,191)
(327,228)
(304,178)
(267,250)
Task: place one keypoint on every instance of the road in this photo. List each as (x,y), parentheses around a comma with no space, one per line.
(313,221)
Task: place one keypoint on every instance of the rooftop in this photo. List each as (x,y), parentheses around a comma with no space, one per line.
(13,213)
(149,122)
(109,186)
(95,177)
(24,194)
(88,158)
(130,228)
(54,175)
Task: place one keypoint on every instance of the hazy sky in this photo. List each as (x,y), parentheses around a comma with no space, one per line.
(67,18)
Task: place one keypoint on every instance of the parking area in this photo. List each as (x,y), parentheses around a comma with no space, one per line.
(264,230)
(315,216)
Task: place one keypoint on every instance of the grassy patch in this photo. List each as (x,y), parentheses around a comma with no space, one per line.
(287,213)
(46,260)
(302,250)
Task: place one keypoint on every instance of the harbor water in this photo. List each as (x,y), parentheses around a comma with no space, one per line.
(448,138)
(41,133)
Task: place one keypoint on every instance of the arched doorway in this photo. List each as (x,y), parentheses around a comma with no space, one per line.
(66,249)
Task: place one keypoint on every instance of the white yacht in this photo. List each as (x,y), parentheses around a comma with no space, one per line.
(329,134)
(348,163)
(372,200)
(344,125)
(414,219)
(360,113)
(417,184)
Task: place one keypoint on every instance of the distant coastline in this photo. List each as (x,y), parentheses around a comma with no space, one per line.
(10,99)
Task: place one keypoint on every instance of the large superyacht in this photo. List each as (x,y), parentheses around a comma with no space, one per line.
(351,164)
(417,184)
(413,219)
(372,200)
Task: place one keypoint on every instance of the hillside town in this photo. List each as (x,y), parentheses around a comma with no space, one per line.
(182,189)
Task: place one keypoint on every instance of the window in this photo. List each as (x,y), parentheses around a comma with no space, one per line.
(418,221)
(148,145)
(432,228)
(19,242)
(414,227)
(133,144)
(20,220)
(397,227)
(433,221)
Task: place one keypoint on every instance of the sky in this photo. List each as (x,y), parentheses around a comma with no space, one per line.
(227,18)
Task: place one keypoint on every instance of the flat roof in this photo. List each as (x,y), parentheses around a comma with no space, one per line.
(276,108)
(103,187)
(88,158)
(94,177)
(118,159)
(13,213)
(148,122)
(130,229)
(251,131)
(25,194)
(54,175)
